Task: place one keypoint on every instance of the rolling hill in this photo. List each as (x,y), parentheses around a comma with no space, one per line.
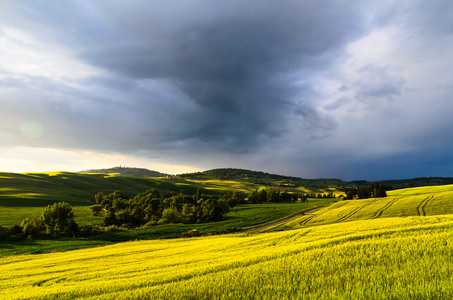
(25,195)
(127,171)
(420,201)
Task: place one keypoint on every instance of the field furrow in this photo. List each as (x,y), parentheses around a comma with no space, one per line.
(421,207)
(381,210)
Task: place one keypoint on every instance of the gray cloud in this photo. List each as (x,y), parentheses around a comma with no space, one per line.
(227,81)
(377,83)
(226,61)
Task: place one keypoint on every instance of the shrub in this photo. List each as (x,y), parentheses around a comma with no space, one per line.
(59,219)
(32,227)
(96,209)
(191,233)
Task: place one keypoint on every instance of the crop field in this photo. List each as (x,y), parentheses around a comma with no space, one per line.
(389,258)
(421,201)
(398,247)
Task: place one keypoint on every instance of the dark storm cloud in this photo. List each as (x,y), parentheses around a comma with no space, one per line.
(233,61)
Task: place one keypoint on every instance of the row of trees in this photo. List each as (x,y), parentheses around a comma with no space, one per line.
(272,195)
(364,192)
(149,208)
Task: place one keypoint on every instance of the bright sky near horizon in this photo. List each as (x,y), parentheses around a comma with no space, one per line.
(323,88)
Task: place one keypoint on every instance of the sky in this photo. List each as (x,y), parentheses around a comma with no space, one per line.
(313,89)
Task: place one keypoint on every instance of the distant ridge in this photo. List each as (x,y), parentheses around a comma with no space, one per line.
(127,171)
(260,177)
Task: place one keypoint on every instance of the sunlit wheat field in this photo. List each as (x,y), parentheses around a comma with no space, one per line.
(391,258)
(420,201)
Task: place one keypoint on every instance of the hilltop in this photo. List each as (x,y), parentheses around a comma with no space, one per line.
(259,177)
(263,178)
(127,171)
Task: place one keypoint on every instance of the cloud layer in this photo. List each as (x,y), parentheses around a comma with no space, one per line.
(317,88)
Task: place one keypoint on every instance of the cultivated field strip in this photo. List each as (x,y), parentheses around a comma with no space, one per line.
(399,203)
(339,261)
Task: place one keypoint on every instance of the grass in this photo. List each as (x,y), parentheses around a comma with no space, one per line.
(245,186)
(25,195)
(422,201)
(390,258)
(240,217)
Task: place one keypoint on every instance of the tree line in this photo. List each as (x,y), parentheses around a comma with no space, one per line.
(149,208)
(363,192)
(143,210)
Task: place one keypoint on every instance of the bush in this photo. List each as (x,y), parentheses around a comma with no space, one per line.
(88,230)
(112,228)
(96,209)
(150,224)
(32,227)
(4,233)
(59,219)
(16,230)
(191,233)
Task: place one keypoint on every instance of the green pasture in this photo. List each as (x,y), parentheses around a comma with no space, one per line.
(245,186)
(223,185)
(25,195)
(421,201)
(240,217)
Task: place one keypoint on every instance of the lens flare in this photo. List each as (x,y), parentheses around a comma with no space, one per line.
(32,130)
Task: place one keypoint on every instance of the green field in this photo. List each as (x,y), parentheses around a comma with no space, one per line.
(240,217)
(246,186)
(25,195)
(421,201)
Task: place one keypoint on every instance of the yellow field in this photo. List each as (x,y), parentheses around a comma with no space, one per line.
(393,258)
(422,201)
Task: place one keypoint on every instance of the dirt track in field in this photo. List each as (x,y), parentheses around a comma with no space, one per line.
(279,221)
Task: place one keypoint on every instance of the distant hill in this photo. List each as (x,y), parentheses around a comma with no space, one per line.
(126,171)
(263,178)
(259,177)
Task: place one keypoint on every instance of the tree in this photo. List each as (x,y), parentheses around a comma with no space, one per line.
(253,197)
(170,215)
(59,219)
(110,218)
(32,227)
(96,209)
(98,198)
(262,196)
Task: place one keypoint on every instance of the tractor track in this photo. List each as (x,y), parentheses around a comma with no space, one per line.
(351,213)
(282,221)
(421,207)
(382,209)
